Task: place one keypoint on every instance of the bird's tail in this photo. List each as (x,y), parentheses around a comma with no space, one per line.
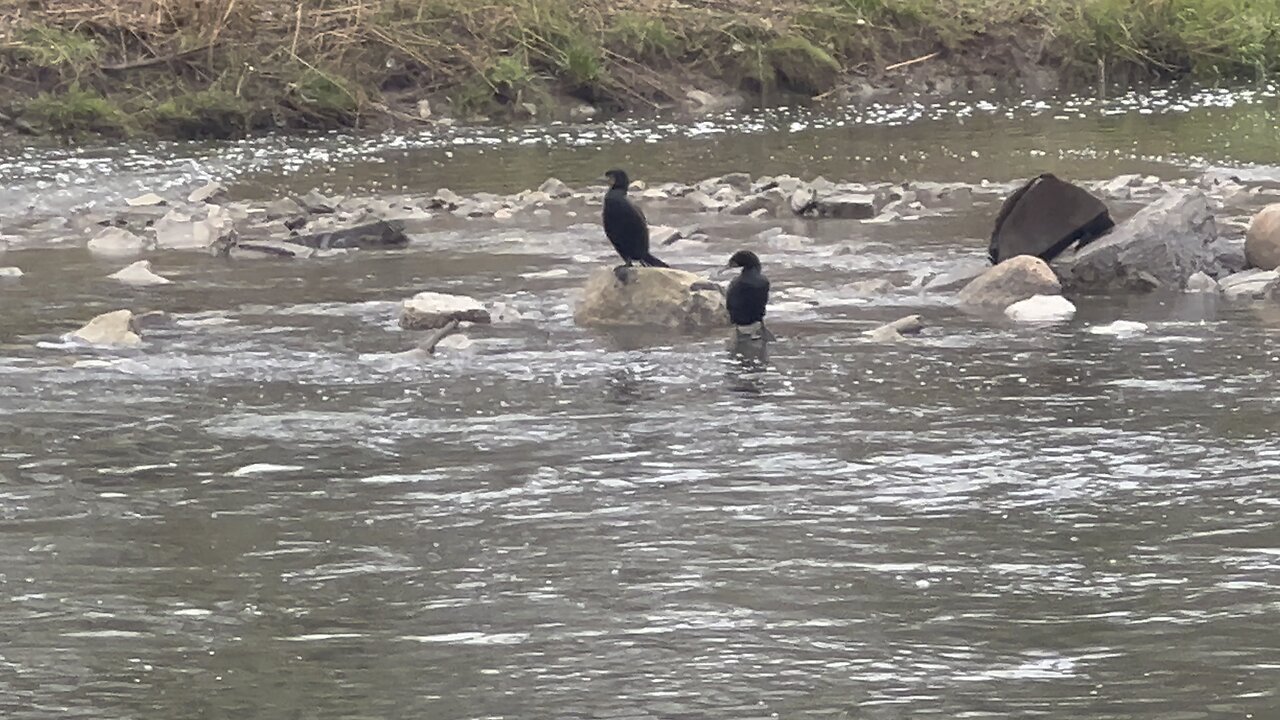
(650,261)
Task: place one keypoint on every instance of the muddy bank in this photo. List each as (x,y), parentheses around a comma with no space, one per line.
(228,69)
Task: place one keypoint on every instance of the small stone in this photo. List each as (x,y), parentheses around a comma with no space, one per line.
(10,273)
(455,342)
(139,274)
(739,181)
(582,111)
(424,109)
(147,200)
(113,329)
(762,201)
(318,204)
(1201,283)
(430,310)
(1262,239)
(283,208)
(871,288)
(703,201)
(554,188)
(661,235)
(803,199)
(851,206)
(897,330)
(209,192)
(503,214)
(1120,328)
(116,242)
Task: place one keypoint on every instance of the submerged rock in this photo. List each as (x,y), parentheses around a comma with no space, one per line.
(380,234)
(268,249)
(139,274)
(1262,239)
(1012,280)
(651,297)
(431,310)
(1120,329)
(116,242)
(209,192)
(1161,246)
(1044,217)
(897,330)
(959,274)
(1041,309)
(113,329)
(146,200)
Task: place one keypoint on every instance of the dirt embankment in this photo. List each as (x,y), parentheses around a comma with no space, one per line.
(226,68)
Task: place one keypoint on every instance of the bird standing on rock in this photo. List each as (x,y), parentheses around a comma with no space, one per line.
(748,294)
(625,226)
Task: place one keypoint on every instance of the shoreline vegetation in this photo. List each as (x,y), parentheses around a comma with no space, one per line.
(198,69)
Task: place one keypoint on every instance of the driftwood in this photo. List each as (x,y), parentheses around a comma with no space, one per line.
(428,346)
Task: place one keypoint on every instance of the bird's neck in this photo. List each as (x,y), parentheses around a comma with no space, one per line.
(617,191)
(751,270)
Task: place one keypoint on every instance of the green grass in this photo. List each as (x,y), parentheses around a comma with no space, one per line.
(75,113)
(202,115)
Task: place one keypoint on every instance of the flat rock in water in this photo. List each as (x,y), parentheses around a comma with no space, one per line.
(897,330)
(1044,217)
(268,249)
(208,192)
(180,231)
(767,200)
(1041,309)
(849,206)
(1012,280)
(113,329)
(10,273)
(139,274)
(284,208)
(116,242)
(957,275)
(379,234)
(1161,246)
(319,204)
(1248,285)
(651,297)
(147,200)
(1120,328)
(430,310)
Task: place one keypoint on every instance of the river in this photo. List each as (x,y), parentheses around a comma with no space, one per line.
(269,512)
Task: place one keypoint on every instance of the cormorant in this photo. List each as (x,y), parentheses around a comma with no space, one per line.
(625,225)
(749,292)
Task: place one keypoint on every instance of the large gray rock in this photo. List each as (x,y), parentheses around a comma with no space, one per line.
(1161,246)
(1044,217)
(1262,239)
(1014,279)
(430,310)
(851,206)
(651,297)
(113,329)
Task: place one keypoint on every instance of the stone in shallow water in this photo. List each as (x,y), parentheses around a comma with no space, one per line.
(1120,328)
(1012,280)
(430,310)
(113,329)
(897,330)
(146,200)
(208,192)
(651,297)
(139,274)
(10,273)
(1041,309)
(1248,285)
(116,242)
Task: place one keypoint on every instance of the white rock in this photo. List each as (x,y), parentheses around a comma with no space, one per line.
(116,242)
(1041,309)
(113,329)
(455,342)
(1248,285)
(139,274)
(429,310)
(1120,328)
(146,200)
(1201,283)
(555,188)
(10,273)
(207,193)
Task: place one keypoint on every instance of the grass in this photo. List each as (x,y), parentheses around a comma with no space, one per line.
(211,68)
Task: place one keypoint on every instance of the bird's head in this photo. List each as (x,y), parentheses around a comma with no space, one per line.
(618,179)
(744,259)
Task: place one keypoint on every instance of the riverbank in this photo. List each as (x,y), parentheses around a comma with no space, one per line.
(229,68)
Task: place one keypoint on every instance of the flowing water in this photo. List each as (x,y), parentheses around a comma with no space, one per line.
(270,512)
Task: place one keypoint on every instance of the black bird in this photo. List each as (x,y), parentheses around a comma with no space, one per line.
(625,225)
(749,292)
